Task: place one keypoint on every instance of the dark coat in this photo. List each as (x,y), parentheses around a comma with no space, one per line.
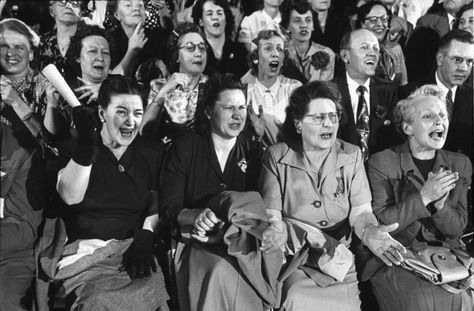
(383,98)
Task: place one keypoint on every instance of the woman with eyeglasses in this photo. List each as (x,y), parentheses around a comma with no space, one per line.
(172,102)
(375,17)
(199,167)
(425,190)
(316,184)
(54,44)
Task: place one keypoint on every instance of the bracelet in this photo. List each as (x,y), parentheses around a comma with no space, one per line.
(363,233)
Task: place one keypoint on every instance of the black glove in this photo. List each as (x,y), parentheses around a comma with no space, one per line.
(86,123)
(138,259)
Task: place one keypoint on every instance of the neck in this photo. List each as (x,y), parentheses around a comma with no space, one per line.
(271,10)
(361,80)
(92,81)
(322,16)
(193,80)
(128,29)
(266,80)
(315,157)
(116,149)
(420,153)
(216,43)
(301,47)
(222,144)
(443,81)
(65,31)
(18,76)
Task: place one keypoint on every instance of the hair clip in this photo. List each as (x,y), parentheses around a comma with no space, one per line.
(175,33)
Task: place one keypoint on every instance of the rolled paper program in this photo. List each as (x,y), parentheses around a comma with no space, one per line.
(54,76)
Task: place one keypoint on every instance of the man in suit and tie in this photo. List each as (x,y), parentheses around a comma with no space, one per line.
(454,64)
(423,44)
(367,103)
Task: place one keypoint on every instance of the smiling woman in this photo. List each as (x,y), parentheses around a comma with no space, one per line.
(110,184)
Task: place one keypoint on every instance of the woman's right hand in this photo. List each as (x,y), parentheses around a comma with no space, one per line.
(438,185)
(173,82)
(138,39)
(8,94)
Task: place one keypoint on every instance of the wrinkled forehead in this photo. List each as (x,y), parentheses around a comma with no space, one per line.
(95,40)
(193,37)
(8,36)
(363,36)
(427,103)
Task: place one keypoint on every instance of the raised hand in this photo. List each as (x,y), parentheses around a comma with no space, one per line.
(175,80)
(8,93)
(89,89)
(257,121)
(138,39)
(379,241)
(52,96)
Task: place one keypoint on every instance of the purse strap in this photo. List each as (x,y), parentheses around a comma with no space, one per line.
(464,285)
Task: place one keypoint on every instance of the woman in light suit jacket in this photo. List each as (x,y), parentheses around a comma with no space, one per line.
(424,189)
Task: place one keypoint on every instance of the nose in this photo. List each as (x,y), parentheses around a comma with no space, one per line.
(100,56)
(130,120)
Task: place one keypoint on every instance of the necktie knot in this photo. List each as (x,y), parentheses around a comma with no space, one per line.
(361,90)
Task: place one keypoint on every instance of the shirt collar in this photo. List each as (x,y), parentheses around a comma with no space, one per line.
(277,18)
(353,85)
(445,88)
(272,89)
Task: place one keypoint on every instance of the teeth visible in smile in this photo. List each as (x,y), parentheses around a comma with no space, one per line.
(11,61)
(326,135)
(437,134)
(126,133)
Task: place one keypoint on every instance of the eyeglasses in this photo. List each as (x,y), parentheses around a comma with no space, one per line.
(319,118)
(191,47)
(373,19)
(458,60)
(75,4)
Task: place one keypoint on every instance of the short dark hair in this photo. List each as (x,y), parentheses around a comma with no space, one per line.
(264,34)
(75,47)
(455,34)
(224,4)
(117,85)
(300,99)
(174,42)
(300,6)
(365,9)
(463,9)
(211,91)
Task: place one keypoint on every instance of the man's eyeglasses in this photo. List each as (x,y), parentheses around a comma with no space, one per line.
(75,4)
(458,60)
(191,47)
(319,118)
(373,19)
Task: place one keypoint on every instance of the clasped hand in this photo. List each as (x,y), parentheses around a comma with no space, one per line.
(379,241)
(207,227)
(275,236)
(437,187)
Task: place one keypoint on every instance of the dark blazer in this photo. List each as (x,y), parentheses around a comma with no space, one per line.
(336,27)
(396,181)
(460,134)
(233,60)
(383,98)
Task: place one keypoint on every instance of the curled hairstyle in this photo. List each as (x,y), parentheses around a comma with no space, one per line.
(20,27)
(455,34)
(253,56)
(175,41)
(300,6)
(299,102)
(405,109)
(365,9)
(74,51)
(198,12)
(118,85)
(211,91)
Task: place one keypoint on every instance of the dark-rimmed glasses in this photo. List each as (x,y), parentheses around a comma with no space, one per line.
(319,118)
(75,4)
(373,19)
(191,47)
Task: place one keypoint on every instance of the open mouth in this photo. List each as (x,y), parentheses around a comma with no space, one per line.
(326,136)
(98,67)
(126,133)
(370,62)
(216,25)
(274,65)
(235,126)
(436,134)
(13,61)
(304,32)
(197,63)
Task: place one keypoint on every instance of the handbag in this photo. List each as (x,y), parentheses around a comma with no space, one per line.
(452,269)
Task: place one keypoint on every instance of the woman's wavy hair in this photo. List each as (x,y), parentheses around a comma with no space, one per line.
(21,28)
(175,41)
(405,109)
(211,91)
(118,85)
(224,4)
(365,9)
(298,105)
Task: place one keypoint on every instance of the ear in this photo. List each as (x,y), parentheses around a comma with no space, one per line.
(101,112)
(297,123)
(344,55)
(31,55)
(439,59)
(207,113)
(116,16)
(51,11)
(407,129)
(201,24)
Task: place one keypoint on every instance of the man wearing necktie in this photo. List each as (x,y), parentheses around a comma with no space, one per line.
(367,102)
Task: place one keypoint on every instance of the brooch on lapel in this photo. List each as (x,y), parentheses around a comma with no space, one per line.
(340,188)
(242,164)
(381,113)
(231,56)
(320,60)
